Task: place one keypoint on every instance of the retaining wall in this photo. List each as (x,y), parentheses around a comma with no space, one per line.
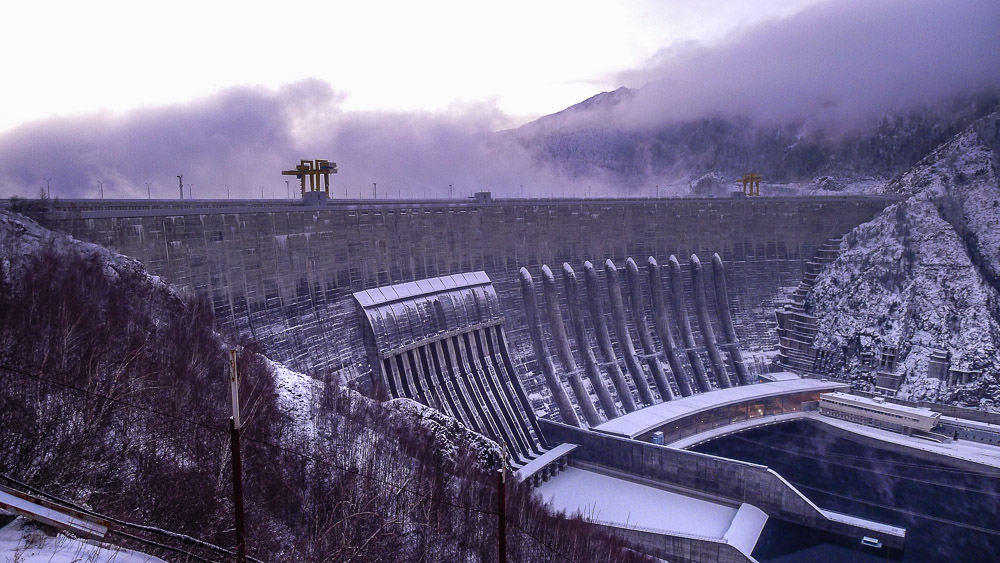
(726,479)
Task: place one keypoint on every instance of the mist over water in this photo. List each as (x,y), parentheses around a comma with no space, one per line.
(949,514)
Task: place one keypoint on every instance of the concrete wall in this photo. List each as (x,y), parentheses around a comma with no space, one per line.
(679,548)
(285,273)
(725,479)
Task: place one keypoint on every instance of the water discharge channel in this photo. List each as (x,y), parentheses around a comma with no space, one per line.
(950,514)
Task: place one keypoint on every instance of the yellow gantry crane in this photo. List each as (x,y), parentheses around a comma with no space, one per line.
(313,170)
(751,183)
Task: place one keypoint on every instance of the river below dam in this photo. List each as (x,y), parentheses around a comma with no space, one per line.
(950,514)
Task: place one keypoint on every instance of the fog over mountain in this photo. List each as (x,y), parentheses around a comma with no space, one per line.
(792,99)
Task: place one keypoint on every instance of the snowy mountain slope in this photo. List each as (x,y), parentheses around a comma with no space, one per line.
(922,276)
(24,541)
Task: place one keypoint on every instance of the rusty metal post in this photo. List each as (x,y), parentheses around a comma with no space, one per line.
(234,440)
(502,514)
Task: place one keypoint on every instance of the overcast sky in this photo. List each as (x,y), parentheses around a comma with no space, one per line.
(406,93)
(528,57)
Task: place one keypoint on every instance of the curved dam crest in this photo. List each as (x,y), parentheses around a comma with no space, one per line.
(285,272)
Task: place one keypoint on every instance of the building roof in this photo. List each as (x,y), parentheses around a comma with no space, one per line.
(857,400)
(645,420)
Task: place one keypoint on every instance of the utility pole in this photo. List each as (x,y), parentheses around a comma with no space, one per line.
(451,193)
(149,193)
(101,182)
(502,512)
(234,440)
(375,188)
(227,191)
(48,187)
(190,191)
(180,182)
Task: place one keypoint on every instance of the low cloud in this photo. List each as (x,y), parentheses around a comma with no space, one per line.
(244,137)
(835,64)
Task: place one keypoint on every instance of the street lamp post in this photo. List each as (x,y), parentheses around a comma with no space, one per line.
(375,188)
(227,191)
(451,193)
(180,183)
(101,182)
(48,187)
(288,191)
(149,193)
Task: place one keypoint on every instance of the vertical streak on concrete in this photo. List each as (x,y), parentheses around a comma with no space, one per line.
(621,330)
(639,317)
(687,337)
(663,330)
(603,339)
(542,354)
(582,344)
(705,322)
(562,346)
(725,317)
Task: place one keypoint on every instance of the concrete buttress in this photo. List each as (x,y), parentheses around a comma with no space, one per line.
(705,323)
(564,350)
(687,337)
(542,354)
(583,344)
(645,339)
(726,319)
(559,395)
(662,324)
(604,339)
(621,331)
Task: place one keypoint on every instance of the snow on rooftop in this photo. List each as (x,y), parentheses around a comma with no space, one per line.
(625,504)
(645,420)
(858,400)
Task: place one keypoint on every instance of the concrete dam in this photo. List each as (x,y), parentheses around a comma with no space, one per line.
(285,273)
(555,327)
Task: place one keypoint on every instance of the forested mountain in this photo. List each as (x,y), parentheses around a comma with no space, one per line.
(602,139)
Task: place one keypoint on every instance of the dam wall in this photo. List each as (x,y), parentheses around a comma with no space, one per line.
(284,272)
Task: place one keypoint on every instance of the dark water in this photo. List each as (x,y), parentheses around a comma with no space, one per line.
(949,514)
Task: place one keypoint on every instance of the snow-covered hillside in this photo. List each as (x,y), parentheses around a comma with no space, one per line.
(24,541)
(922,275)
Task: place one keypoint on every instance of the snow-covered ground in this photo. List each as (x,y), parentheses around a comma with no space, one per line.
(625,504)
(297,394)
(23,541)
